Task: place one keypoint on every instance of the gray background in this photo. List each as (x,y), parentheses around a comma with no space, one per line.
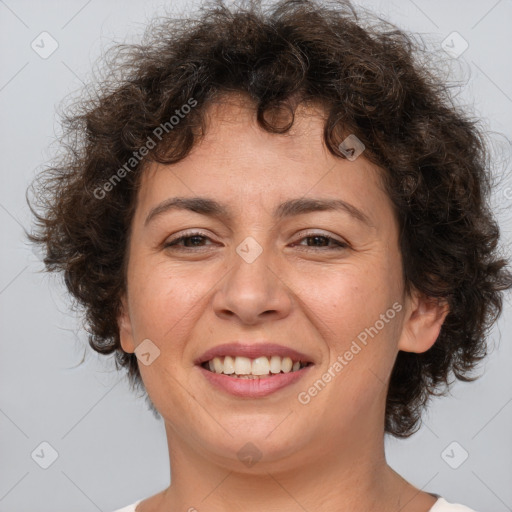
(111,450)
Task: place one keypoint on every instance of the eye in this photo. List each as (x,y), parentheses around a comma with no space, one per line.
(190,240)
(324,240)
(196,239)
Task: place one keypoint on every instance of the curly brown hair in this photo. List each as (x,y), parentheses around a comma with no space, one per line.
(374,80)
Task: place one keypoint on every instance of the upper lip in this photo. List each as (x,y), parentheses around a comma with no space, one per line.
(252,351)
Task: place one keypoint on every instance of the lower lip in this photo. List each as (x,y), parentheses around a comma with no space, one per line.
(253,388)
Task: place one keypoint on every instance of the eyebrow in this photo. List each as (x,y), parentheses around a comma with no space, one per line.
(290,208)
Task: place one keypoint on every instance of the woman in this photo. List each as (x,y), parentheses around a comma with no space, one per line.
(280,224)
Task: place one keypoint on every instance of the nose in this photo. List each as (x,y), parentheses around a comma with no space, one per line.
(253,291)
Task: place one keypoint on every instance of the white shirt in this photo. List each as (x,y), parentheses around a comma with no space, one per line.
(441,505)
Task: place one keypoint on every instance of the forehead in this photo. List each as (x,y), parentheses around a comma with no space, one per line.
(233,117)
(240,162)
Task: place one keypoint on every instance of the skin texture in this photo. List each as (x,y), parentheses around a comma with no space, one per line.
(323,456)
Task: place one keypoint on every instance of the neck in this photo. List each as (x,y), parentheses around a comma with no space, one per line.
(342,470)
(303,481)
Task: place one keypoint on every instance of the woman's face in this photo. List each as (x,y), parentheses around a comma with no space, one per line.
(251,276)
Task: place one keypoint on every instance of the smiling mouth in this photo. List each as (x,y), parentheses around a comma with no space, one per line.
(258,368)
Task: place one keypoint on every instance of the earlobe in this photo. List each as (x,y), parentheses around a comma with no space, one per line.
(125,327)
(422,325)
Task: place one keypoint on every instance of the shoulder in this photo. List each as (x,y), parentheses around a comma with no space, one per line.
(129,508)
(441,505)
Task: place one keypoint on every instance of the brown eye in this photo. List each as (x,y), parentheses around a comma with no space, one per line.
(188,241)
(321,240)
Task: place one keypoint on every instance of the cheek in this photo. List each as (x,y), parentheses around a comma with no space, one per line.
(356,308)
(162,310)
(349,299)
(163,297)
(163,293)
(358,314)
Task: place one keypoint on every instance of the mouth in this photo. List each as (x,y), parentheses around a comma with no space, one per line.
(253,370)
(240,367)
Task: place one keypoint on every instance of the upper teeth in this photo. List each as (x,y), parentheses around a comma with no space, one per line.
(259,366)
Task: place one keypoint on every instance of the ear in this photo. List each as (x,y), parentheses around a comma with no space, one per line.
(422,322)
(124,325)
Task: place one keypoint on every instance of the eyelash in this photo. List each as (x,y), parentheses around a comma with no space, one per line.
(339,245)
